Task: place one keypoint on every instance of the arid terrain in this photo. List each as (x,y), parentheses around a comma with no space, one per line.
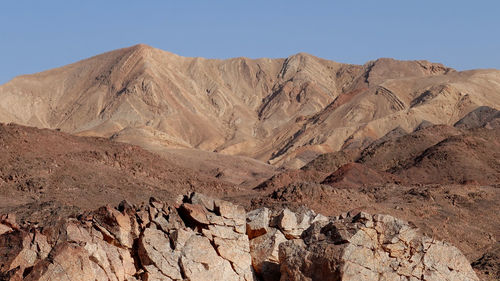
(414,140)
(281,111)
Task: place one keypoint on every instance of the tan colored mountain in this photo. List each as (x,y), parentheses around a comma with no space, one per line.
(283,111)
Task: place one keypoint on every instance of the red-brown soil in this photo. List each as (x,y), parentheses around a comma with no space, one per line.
(48,172)
(45,174)
(471,157)
(436,154)
(354,175)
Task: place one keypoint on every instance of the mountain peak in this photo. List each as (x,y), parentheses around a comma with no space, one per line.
(302,54)
(141,48)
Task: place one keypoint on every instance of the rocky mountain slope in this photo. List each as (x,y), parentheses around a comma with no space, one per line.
(284,111)
(45,173)
(437,154)
(444,179)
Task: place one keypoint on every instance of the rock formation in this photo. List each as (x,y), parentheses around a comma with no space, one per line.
(369,247)
(200,238)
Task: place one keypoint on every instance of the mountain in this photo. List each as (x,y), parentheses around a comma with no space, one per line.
(281,111)
(411,139)
(438,154)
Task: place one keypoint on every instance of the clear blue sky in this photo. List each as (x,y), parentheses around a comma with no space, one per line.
(39,35)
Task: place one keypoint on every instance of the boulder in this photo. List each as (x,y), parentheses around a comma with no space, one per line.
(157,256)
(195,213)
(68,262)
(292,225)
(231,243)
(205,201)
(200,261)
(4,228)
(19,251)
(237,252)
(9,220)
(257,222)
(115,224)
(264,253)
(107,259)
(232,215)
(368,247)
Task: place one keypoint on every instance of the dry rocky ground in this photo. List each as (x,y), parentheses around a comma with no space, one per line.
(462,213)
(200,238)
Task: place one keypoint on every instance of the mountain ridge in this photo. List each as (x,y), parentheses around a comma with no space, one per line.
(282,111)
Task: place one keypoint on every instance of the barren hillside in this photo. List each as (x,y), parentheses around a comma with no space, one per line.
(281,111)
(45,173)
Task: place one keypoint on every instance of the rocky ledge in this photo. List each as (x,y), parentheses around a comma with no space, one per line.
(201,238)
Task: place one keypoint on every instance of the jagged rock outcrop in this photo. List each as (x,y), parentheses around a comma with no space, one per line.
(366,247)
(149,242)
(201,238)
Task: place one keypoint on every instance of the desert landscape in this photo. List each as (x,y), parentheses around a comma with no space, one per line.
(140,164)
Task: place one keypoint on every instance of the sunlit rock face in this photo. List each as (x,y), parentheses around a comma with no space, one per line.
(202,238)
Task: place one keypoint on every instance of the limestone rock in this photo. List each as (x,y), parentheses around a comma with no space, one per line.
(116,223)
(4,228)
(21,250)
(115,263)
(196,213)
(231,212)
(371,248)
(292,225)
(200,242)
(205,201)
(9,220)
(8,223)
(68,262)
(156,254)
(257,222)
(237,252)
(200,261)
(264,252)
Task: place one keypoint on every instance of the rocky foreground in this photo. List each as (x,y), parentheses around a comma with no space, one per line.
(200,238)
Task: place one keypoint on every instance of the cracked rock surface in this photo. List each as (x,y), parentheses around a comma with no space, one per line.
(366,247)
(202,238)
